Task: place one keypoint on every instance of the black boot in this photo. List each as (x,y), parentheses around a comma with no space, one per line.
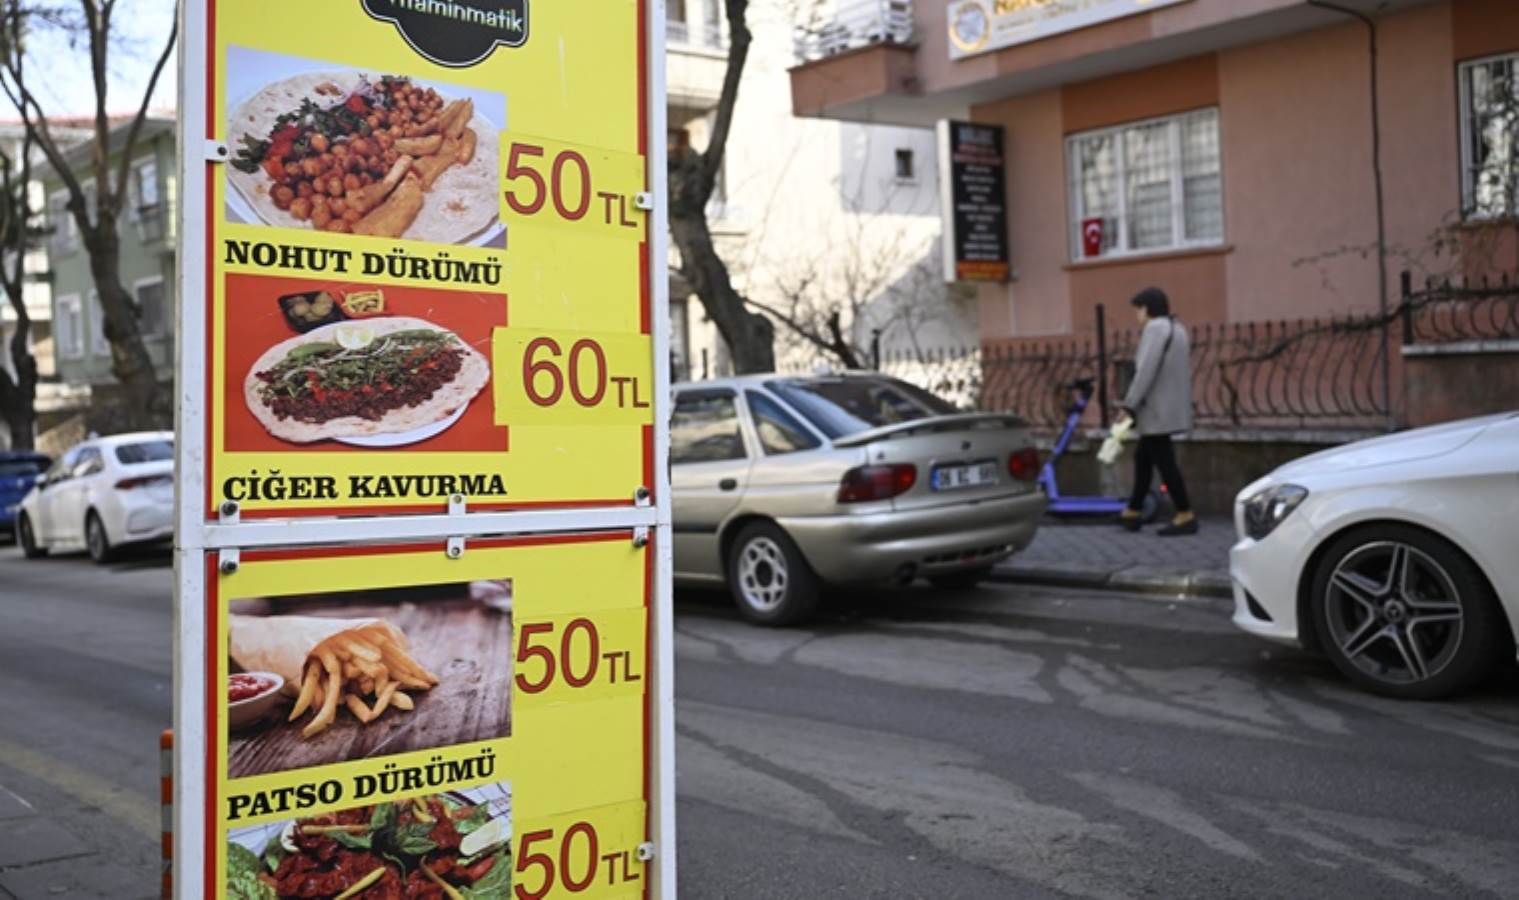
(1130,523)
(1177,528)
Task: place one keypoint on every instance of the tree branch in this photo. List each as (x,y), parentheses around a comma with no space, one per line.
(142,114)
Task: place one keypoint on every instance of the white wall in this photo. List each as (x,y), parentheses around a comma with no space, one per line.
(818,203)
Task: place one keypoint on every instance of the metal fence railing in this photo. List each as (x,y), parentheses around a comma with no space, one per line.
(1445,312)
(1312,373)
(1323,373)
(854,24)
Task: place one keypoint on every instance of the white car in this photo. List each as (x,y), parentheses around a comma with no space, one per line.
(1397,557)
(100,495)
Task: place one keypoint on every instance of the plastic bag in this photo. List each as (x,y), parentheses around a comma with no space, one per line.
(1112,445)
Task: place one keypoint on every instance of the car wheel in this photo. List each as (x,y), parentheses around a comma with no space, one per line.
(961,581)
(28,540)
(770,580)
(1404,613)
(96,539)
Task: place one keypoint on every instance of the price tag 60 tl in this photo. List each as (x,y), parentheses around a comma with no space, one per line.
(572,378)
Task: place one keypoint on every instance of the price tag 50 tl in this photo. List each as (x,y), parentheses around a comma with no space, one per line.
(551,183)
(589,657)
(593,853)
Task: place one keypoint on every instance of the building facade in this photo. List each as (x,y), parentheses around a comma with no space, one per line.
(80,348)
(812,217)
(1258,159)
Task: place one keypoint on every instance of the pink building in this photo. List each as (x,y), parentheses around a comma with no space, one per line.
(1220,149)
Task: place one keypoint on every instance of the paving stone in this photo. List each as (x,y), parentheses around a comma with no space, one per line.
(1102,555)
(84,879)
(36,840)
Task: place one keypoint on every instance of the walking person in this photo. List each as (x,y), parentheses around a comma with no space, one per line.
(1160,403)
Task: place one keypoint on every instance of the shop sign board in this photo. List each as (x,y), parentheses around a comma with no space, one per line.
(973,180)
(422,552)
(980,26)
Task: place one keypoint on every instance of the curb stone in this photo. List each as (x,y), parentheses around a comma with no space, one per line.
(1209,588)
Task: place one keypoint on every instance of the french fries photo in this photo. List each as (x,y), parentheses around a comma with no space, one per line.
(361,666)
(350,667)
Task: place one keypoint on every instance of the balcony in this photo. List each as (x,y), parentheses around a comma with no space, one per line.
(863,53)
(696,59)
(854,25)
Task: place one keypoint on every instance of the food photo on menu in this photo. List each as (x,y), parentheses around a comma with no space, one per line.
(358,364)
(327,678)
(322,147)
(448,846)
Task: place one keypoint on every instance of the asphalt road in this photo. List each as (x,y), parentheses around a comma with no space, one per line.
(1004,742)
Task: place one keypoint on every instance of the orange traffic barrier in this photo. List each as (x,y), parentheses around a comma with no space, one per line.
(166,801)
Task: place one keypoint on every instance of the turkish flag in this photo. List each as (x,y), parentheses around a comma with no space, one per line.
(1091,237)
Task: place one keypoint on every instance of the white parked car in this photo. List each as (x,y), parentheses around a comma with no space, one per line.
(102,494)
(1397,557)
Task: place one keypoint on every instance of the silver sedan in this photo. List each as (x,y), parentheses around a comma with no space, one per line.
(783,484)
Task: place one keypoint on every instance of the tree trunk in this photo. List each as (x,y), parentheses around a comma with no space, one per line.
(18,399)
(750,336)
(130,362)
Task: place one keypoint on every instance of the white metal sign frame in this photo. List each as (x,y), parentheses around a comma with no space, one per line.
(195,537)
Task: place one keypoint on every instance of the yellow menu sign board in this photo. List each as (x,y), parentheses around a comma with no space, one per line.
(422,545)
(427,249)
(483,718)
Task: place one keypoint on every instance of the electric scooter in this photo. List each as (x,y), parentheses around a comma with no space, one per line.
(1067,505)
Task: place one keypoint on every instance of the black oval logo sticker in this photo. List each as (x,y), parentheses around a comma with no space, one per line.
(455,33)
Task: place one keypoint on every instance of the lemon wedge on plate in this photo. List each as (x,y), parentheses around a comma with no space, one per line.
(353,337)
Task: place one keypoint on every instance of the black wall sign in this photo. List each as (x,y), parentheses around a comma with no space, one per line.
(975,205)
(455,33)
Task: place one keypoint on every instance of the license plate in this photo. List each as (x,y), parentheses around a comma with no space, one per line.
(949,478)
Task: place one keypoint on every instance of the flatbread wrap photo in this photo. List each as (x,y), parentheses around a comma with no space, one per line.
(348,380)
(366,153)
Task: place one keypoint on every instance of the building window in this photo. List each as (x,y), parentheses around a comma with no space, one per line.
(676,29)
(68,328)
(99,346)
(65,237)
(146,210)
(1490,136)
(906,170)
(1146,187)
(713,36)
(150,306)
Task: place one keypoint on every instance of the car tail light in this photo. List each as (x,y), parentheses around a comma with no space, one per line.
(1023,465)
(877,482)
(127,484)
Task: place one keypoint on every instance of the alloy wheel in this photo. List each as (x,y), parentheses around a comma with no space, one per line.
(95,537)
(762,573)
(1394,612)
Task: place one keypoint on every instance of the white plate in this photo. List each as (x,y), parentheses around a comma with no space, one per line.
(242,213)
(402,438)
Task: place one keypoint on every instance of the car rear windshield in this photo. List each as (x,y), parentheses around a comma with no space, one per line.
(19,468)
(843,406)
(145,452)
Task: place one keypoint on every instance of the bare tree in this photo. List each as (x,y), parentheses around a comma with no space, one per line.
(863,285)
(693,178)
(18,384)
(873,279)
(92,24)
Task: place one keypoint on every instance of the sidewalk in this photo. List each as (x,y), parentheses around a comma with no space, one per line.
(1099,554)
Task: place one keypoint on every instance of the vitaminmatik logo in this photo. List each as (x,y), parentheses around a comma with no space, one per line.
(455,33)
